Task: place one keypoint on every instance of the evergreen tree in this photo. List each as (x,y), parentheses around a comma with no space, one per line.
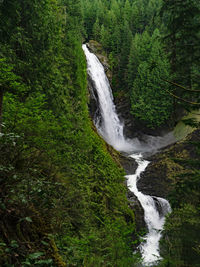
(61,192)
(132,63)
(8,82)
(105,38)
(149,100)
(89,16)
(96,30)
(182,38)
(124,53)
(127,11)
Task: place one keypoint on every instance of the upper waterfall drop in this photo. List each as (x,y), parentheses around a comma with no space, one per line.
(108,125)
(107,122)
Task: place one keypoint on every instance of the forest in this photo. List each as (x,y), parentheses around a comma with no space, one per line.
(63,198)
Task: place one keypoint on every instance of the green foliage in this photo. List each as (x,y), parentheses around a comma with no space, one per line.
(104,37)
(34,260)
(56,174)
(182,43)
(119,21)
(58,181)
(103,248)
(97,30)
(182,238)
(149,100)
(8,80)
(129,33)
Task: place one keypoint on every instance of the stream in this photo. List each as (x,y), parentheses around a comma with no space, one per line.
(111,129)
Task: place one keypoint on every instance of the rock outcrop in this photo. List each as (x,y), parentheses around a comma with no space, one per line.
(160,175)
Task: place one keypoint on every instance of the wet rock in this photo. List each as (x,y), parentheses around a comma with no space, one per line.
(155,181)
(93,103)
(123,111)
(135,205)
(129,164)
(160,175)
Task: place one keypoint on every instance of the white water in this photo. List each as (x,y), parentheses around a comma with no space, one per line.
(111,129)
(108,125)
(154,220)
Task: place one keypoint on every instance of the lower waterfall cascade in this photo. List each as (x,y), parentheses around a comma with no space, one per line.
(111,129)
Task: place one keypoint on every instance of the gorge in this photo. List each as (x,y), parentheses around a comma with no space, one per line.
(86,172)
(111,129)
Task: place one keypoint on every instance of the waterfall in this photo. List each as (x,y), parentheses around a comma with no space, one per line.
(153,218)
(111,129)
(108,123)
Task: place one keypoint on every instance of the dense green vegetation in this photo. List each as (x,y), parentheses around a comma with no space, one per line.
(129,31)
(181,243)
(149,102)
(62,194)
(149,43)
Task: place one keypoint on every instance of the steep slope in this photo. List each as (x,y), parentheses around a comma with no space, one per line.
(62,196)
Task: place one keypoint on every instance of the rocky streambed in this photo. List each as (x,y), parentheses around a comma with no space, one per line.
(161,174)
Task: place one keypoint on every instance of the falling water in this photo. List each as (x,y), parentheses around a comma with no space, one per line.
(108,123)
(153,218)
(111,129)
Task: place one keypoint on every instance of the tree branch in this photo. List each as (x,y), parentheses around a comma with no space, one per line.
(178,85)
(184,100)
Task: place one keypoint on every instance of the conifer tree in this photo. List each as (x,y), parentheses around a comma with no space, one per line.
(105,37)
(96,30)
(149,100)
(182,19)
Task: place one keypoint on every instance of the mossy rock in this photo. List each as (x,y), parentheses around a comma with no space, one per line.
(182,130)
(161,173)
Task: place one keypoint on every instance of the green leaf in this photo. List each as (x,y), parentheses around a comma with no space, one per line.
(44,243)
(14,244)
(35,255)
(28,219)
(44,262)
